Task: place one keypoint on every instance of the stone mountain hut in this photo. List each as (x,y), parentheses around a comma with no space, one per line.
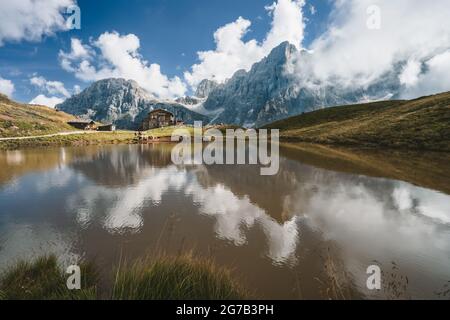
(158,118)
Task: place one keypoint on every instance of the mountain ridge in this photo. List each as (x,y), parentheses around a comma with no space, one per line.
(268,92)
(122,102)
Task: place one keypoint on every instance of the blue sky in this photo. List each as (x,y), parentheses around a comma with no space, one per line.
(170,32)
(157,43)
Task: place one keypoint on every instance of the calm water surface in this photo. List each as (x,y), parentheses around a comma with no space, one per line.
(284,236)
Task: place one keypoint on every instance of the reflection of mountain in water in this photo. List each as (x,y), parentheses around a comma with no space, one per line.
(122,165)
(428,170)
(16,163)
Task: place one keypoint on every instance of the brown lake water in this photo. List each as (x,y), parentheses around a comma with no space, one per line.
(317,225)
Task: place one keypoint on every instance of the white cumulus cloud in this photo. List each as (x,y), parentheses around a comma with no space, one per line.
(117,56)
(43,100)
(30,20)
(233,53)
(413,34)
(6,87)
(51,87)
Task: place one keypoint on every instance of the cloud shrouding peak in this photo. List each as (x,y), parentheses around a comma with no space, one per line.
(30,20)
(6,87)
(436,79)
(232,53)
(117,56)
(411,33)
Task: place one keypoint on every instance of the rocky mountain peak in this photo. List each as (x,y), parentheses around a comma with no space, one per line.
(268,92)
(282,52)
(205,88)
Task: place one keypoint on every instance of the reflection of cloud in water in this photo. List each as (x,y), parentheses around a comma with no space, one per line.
(131,200)
(282,239)
(14,158)
(125,206)
(428,203)
(57,178)
(368,226)
(232,213)
(348,212)
(21,241)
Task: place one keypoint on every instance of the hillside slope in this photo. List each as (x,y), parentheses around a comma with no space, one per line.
(18,119)
(422,123)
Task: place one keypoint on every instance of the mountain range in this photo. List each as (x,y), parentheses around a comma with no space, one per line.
(125,103)
(265,93)
(269,92)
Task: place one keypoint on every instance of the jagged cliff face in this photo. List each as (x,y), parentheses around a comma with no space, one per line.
(260,95)
(122,102)
(205,87)
(268,92)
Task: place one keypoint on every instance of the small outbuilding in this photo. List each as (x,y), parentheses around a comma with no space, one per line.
(83,124)
(107,127)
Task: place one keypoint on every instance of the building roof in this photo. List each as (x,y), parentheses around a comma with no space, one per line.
(81,121)
(160,110)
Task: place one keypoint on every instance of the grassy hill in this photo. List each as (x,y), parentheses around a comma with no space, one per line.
(420,124)
(18,119)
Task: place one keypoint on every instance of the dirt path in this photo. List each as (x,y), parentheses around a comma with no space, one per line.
(48,135)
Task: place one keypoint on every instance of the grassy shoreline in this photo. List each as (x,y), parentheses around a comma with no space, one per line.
(97,138)
(155,278)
